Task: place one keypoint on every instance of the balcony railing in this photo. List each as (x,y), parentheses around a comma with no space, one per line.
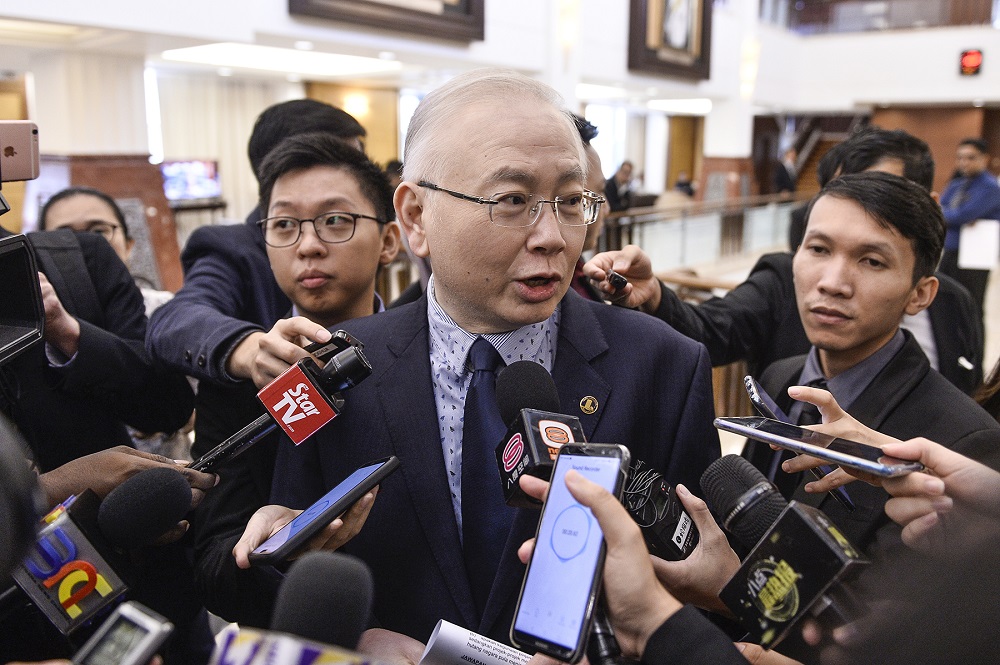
(699,234)
(826,16)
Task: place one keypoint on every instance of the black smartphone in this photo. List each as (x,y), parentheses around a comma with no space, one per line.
(809,442)
(556,607)
(767,407)
(296,533)
(130,636)
(764,403)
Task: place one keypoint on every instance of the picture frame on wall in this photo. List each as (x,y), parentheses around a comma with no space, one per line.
(670,37)
(455,20)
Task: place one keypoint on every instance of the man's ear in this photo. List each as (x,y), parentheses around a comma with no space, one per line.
(922,295)
(409,204)
(390,244)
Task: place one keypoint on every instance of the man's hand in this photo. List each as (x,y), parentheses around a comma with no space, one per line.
(390,647)
(262,357)
(636,602)
(643,289)
(107,469)
(61,330)
(268,520)
(839,423)
(699,578)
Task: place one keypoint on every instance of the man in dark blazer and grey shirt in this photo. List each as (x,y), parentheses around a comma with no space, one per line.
(871,243)
(503,219)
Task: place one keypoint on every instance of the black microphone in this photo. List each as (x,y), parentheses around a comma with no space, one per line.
(144,507)
(529,402)
(301,400)
(327,598)
(797,558)
(323,606)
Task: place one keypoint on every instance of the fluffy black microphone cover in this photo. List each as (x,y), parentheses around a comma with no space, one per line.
(525,385)
(727,484)
(326,597)
(144,507)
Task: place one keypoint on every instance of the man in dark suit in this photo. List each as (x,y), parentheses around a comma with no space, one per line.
(75,394)
(502,271)
(868,254)
(757,320)
(230,297)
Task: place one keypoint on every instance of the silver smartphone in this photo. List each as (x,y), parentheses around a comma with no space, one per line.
(809,442)
(555,610)
(130,636)
(18,150)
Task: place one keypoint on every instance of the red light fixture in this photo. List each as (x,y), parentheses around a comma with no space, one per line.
(971,62)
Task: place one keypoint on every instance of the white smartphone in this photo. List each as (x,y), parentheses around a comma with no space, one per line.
(130,636)
(556,608)
(18,150)
(832,449)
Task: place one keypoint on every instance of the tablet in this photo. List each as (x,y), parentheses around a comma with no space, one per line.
(832,449)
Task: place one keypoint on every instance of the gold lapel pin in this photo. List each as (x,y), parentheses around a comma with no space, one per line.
(589,404)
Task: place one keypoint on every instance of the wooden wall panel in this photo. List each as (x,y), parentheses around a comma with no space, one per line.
(941,127)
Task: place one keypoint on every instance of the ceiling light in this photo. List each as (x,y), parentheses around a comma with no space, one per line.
(386,55)
(698,106)
(978,103)
(304,45)
(225,71)
(273,59)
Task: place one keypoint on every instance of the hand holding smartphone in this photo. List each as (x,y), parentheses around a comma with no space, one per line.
(810,442)
(311,521)
(555,609)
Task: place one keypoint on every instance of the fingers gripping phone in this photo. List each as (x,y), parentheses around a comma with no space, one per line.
(556,606)
(311,521)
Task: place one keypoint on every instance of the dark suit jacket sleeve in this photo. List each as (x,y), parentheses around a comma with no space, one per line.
(229,292)
(739,325)
(112,361)
(244,596)
(696,440)
(688,637)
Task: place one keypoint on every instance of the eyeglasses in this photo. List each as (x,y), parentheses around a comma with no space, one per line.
(518,209)
(101,228)
(331,228)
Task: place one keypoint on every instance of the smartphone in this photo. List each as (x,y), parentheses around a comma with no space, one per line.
(18,150)
(764,403)
(296,533)
(767,407)
(130,636)
(832,449)
(556,607)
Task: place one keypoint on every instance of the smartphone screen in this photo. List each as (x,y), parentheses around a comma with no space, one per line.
(328,508)
(564,572)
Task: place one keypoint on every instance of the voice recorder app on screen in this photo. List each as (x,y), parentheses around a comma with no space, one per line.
(569,538)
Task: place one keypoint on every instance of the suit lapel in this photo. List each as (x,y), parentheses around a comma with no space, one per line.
(580,341)
(416,440)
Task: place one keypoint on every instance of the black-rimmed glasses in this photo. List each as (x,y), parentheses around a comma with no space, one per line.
(520,209)
(331,227)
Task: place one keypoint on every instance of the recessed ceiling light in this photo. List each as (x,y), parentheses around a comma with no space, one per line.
(285,60)
(978,103)
(386,55)
(225,71)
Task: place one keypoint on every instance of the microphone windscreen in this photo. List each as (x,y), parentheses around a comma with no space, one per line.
(525,384)
(742,497)
(144,507)
(326,597)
